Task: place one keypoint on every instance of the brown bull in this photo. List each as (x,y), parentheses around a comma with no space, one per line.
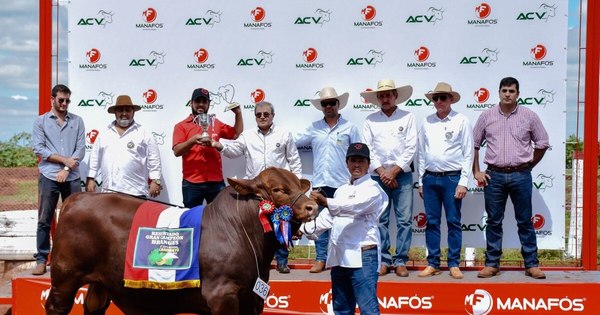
(92,234)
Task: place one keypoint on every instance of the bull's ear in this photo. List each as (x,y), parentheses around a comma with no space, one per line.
(243,186)
(305,183)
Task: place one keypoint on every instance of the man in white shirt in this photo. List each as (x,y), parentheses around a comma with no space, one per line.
(265,146)
(125,156)
(392,136)
(445,156)
(352,215)
(329,138)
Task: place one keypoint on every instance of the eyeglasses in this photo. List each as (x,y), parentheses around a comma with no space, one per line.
(441,97)
(329,103)
(62,100)
(265,114)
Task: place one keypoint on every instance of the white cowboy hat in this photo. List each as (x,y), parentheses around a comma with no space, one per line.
(404,92)
(328,93)
(443,88)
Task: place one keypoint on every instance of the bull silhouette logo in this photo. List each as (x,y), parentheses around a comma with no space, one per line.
(159,138)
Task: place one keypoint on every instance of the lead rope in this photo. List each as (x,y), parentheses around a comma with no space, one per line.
(237,206)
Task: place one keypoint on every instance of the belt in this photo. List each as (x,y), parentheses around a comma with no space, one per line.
(509,169)
(368,247)
(440,174)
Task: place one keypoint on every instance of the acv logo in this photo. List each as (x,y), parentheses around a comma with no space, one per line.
(257,96)
(258,14)
(543,182)
(421,54)
(479,302)
(91,136)
(483,10)
(368,13)
(149,15)
(150,96)
(538,52)
(420,220)
(538,221)
(201,55)
(481,95)
(310,55)
(93,55)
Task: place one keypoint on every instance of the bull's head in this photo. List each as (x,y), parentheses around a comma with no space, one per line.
(283,188)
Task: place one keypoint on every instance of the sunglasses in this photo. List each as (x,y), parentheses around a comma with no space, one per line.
(328,103)
(265,114)
(63,100)
(441,97)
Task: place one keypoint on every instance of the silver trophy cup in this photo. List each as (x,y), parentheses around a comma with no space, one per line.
(203,120)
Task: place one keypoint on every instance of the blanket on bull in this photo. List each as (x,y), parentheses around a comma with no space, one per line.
(163,246)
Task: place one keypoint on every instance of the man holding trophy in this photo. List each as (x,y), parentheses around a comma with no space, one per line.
(201,164)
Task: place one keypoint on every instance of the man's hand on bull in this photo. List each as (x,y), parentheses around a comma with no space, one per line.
(319,198)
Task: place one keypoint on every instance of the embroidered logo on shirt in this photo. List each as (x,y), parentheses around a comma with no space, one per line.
(277,144)
(130,145)
(449,135)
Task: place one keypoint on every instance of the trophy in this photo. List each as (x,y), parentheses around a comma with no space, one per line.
(203,121)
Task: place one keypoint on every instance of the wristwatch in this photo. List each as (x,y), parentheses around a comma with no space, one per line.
(66,168)
(156,181)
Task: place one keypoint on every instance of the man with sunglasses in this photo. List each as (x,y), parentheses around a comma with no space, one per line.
(201,164)
(59,142)
(445,157)
(265,146)
(509,130)
(329,138)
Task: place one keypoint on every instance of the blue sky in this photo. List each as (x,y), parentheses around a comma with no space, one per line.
(19,66)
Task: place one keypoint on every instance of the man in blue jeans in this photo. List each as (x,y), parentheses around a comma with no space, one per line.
(392,135)
(445,157)
(509,130)
(59,142)
(351,216)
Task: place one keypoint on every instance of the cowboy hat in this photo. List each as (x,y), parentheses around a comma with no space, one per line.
(404,92)
(329,93)
(443,88)
(123,100)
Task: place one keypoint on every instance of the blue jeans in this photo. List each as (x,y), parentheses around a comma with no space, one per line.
(401,200)
(194,194)
(323,241)
(350,286)
(517,185)
(48,193)
(281,256)
(438,191)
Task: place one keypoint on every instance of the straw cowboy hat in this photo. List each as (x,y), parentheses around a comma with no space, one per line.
(443,88)
(123,100)
(404,92)
(328,93)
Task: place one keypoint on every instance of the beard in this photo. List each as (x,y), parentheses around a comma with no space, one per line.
(124,123)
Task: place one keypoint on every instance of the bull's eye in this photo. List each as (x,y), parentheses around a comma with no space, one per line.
(279,191)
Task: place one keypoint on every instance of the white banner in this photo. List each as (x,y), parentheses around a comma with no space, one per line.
(286,51)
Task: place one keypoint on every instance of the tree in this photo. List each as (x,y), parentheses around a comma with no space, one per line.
(572,144)
(17,151)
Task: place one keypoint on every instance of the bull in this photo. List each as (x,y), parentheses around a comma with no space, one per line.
(91,239)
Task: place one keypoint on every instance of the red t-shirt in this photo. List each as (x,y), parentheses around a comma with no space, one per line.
(201,164)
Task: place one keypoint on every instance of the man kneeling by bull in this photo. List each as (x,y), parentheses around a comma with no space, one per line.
(352,215)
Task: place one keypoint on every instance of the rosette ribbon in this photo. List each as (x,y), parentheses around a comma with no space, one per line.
(281,224)
(265,208)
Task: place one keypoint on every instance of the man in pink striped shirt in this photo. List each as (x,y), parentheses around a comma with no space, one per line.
(509,131)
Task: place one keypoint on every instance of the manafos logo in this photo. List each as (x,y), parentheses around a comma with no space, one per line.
(372,58)
(90,137)
(433,15)
(261,59)
(365,107)
(149,15)
(539,221)
(482,13)
(310,56)
(479,302)
(102,19)
(421,56)
(104,99)
(326,303)
(322,16)
(153,60)
(419,222)
(200,57)
(543,98)
(538,55)
(368,15)
(93,57)
(257,15)
(543,13)
(150,96)
(257,96)
(210,18)
(486,57)
(481,97)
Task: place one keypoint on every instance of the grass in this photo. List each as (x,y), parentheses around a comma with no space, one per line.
(26,193)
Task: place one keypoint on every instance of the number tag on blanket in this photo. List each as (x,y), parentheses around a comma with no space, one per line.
(261,288)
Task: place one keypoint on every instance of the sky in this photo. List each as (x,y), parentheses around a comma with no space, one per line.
(19,66)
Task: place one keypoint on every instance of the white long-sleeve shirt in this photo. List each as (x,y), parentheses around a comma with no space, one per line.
(275,149)
(353,217)
(446,145)
(392,140)
(125,162)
